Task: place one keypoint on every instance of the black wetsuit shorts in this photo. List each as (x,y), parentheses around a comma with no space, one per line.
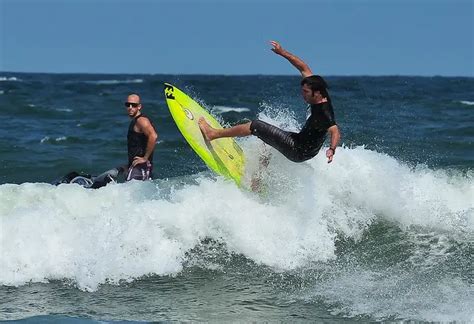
(285,142)
(142,171)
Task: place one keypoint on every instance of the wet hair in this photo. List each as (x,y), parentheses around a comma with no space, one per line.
(317,83)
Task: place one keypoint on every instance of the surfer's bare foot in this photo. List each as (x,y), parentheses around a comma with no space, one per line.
(208,132)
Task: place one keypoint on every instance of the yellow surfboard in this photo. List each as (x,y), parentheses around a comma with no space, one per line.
(222,155)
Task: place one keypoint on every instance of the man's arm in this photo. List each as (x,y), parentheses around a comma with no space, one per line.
(335,137)
(146,128)
(295,60)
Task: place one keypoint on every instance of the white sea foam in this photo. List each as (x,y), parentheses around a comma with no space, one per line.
(44,139)
(3,78)
(64,109)
(57,139)
(125,231)
(225,109)
(367,184)
(465,102)
(381,294)
(128,230)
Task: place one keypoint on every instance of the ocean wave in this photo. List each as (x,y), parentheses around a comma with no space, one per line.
(68,232)
(395,294)
(465,102)
(48,139)
(64,109)
(367,236)
(10,79)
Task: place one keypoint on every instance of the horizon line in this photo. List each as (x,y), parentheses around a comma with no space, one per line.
(241,75)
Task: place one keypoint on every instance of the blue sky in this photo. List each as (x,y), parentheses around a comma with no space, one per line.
(338,37)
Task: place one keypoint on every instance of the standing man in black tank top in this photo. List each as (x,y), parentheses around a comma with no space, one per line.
(141,141)
(297,147)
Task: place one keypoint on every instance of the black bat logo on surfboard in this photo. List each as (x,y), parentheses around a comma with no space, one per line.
(169,92)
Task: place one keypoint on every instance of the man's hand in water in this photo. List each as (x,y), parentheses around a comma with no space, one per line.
(138,160)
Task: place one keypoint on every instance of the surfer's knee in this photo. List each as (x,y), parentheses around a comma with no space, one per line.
(254,124)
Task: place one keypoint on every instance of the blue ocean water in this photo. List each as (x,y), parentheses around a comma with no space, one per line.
(385,232)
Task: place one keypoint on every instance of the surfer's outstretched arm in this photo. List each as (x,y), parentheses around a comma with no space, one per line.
(295,60)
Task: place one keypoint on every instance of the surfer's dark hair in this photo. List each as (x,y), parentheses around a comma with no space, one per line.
(316,83)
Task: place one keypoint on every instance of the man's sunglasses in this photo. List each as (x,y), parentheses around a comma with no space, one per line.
(133,104)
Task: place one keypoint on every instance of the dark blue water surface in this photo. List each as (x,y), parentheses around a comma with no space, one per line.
(385,232)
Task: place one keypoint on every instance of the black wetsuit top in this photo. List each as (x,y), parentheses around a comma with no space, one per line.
(313,134)
(302,146)
(136,142)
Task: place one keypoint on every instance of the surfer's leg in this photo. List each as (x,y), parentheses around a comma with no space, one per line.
(277,138)
(264,161)
(213,133)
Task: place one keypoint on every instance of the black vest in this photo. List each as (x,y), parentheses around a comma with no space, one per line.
(136,142)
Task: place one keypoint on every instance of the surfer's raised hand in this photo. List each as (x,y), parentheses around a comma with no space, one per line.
(294,60)
(277,48)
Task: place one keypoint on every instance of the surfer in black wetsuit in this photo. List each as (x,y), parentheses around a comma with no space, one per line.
(89,181)
(141,141)
(297,147)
